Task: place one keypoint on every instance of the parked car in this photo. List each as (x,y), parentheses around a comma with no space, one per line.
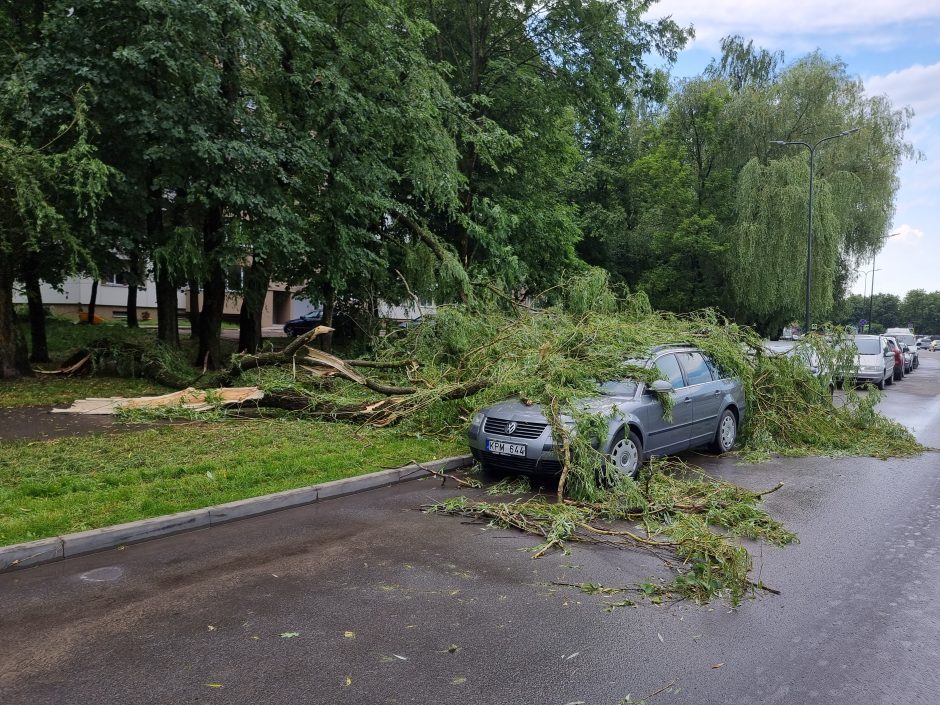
(923,343)
(899,364)
(874,362)
(708,408)
(307,322)
(805,354)
(907,341)
(935,345)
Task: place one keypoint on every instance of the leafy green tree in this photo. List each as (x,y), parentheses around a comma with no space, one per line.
(546,84)
(39,187)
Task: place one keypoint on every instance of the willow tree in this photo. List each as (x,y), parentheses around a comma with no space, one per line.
(853,201)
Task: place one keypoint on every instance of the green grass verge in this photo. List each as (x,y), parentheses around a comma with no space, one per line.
(43,390)
(73,484)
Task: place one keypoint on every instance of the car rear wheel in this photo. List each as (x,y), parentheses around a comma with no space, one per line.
(625,456)
(727,432)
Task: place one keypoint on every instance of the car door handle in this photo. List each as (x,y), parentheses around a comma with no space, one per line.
(687,400)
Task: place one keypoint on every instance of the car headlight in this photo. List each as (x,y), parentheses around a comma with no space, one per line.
(477,419)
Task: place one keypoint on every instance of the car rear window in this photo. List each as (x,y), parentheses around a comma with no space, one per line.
(868,346)
(905,339)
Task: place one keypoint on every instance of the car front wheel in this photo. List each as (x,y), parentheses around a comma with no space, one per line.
(727,432)
(626,454)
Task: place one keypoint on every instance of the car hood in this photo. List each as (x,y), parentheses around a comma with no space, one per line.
(520,411)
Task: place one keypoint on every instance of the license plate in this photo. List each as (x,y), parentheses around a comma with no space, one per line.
(503,448)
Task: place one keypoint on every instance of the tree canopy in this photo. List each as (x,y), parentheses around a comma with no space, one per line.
(366,152)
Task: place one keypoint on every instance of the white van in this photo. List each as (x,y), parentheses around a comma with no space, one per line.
(874,362)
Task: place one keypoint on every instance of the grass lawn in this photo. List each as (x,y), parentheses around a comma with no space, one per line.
(72,484)
(43,390)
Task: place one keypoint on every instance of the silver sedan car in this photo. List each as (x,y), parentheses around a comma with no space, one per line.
(708,408)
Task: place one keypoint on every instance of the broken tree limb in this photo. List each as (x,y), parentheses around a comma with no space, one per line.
(380,365)
(344,370)
(241,363)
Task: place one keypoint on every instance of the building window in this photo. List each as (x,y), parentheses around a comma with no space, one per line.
(117,279)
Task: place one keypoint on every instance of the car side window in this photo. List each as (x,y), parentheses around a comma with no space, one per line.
(696,370)
(668,365)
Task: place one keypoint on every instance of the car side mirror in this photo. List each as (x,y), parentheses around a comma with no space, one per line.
(660,386)
(907,348)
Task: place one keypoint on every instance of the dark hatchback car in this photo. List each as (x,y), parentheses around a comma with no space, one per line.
(708,408)
(307,322)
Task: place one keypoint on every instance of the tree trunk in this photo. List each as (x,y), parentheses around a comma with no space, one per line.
(329,309)
(92,301)
(249,317)
(167,314)
(213,292)
(132,306)
(193,308)
(134,278)
(37,315)
(13,353)
(167,306)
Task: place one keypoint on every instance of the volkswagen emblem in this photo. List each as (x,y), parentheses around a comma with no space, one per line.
(511,428)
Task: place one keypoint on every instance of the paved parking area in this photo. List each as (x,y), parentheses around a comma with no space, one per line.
(367,600)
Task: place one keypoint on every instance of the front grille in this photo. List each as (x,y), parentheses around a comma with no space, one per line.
(524,429)
(516,464)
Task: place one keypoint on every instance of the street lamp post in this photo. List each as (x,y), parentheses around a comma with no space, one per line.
(871,299)
(809,229)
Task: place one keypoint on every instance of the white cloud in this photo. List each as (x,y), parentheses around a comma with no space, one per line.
(866,21)
(915,86)
(906,233)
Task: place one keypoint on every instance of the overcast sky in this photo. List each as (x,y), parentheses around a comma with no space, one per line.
(894,47)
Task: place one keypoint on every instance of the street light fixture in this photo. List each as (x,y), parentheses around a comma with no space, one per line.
(871,299)
(809,229)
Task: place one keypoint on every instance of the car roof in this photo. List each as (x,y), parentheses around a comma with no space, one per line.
(672,346)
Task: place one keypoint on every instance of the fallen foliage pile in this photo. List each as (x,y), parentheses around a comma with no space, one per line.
(670,510)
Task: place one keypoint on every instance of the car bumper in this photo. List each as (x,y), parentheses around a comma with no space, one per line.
(539,459)
(547,465)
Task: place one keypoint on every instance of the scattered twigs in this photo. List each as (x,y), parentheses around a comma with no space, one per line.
(761,495)
(760,586)
(446,476)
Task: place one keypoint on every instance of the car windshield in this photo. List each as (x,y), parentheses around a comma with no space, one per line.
(905,339)
(622,387)
(868,346)
(619,388)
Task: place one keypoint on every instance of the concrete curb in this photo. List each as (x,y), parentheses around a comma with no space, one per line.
(23,555)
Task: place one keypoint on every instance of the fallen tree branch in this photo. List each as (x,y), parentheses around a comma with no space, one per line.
(447,476)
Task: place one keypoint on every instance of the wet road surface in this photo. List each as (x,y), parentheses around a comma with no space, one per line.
(392,606)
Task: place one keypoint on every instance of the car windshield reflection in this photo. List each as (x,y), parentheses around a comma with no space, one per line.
(620,388)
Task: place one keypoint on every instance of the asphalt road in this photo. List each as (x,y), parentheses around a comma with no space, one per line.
(389,605)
